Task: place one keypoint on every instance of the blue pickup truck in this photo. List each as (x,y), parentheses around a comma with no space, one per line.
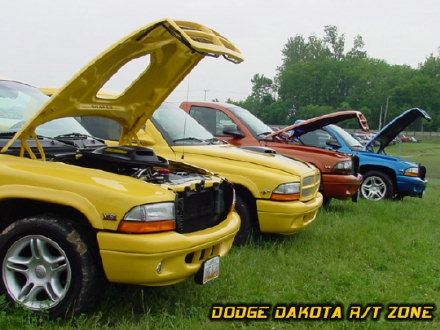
(384,176)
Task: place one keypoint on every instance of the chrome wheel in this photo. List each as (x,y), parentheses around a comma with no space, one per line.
(36,272)
(374,188)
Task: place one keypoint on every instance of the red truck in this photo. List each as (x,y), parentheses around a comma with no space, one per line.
(238,126)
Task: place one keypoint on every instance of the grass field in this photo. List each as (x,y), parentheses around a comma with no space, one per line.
(368,253)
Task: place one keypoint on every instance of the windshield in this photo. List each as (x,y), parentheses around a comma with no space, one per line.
(20,102)
(180,128)
(255,125)
(349,140)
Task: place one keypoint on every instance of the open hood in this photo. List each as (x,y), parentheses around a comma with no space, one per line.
(394,127)
(313,124)
(171,48)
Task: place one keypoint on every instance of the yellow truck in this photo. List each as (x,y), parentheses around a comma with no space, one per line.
(74,210)
(275,194)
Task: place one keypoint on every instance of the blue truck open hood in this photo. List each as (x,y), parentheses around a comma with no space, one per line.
(394,127)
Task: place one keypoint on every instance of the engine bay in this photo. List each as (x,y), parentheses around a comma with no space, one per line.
(135,161)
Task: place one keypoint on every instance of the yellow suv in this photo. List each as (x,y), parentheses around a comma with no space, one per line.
(73,209)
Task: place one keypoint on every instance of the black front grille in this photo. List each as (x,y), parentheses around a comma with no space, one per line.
(422,172)
(203,208)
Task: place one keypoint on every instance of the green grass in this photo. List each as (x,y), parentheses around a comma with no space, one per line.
(425,152)
(366,253)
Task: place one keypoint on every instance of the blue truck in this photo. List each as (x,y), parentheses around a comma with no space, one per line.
(384,176)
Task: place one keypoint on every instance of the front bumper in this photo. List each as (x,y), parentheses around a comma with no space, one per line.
(163,258)
(410,186)
(287,217)
(340,186)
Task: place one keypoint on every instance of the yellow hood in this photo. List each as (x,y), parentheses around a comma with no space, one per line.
(174,48)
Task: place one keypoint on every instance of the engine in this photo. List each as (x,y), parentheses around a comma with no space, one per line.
(139,162)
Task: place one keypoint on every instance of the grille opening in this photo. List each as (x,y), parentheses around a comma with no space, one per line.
(203,208)
(307,217)
(206,253)
(202,255)
(310,186)
(308,180)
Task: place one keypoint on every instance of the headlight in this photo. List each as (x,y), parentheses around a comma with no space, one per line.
(287,192)
(149,218)
(412,171)
(344,167)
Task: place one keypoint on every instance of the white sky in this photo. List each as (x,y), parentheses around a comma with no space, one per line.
(46,42)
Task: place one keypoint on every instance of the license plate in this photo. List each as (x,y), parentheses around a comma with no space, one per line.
(210,270)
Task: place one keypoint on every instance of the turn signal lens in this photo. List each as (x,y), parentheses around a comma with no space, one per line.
(412,171)
(141,227)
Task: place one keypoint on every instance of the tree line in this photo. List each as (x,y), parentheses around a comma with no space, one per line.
(318,76)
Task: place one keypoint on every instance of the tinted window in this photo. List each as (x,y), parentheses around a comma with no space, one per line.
(316,138)
(212,119)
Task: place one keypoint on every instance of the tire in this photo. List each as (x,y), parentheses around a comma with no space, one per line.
(326,201)
(245,231)
(377,186)
(47,265)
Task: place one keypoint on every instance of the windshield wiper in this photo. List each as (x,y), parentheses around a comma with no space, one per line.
(214,141)
(12,133)
(188,139)
(73,135)
(77,136)
(8,133)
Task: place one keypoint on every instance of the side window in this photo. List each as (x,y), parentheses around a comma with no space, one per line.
(204,117)
(213,120)
(316,138)
(221,121)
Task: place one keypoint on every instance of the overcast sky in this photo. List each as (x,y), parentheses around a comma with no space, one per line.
(45,42)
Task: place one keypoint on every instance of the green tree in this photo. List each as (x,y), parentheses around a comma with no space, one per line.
(335,41)
(263,89)
(318,75)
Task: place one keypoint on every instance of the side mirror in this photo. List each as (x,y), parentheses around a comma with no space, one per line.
(145,138)
(332,142)
(234,131)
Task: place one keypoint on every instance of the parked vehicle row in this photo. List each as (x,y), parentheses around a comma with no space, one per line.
(238,126)
(131,189)
(274,193)
(383,176)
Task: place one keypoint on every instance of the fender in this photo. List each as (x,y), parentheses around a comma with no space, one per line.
(54,196)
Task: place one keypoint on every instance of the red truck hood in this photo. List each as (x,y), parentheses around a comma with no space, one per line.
(313,124)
